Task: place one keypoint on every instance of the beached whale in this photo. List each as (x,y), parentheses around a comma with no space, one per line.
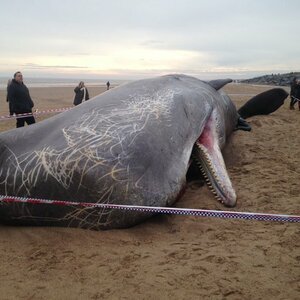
(130,145)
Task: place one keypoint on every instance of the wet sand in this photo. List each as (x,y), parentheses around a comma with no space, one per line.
(175,257)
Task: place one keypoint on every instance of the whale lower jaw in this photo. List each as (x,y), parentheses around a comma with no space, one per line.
(208,156)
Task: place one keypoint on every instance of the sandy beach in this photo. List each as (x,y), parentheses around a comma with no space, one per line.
(175,257)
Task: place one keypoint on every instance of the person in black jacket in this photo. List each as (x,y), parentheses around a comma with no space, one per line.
(20,101)
(292,92)
(81,93)
(297,93)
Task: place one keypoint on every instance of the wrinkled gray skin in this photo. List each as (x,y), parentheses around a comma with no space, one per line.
(130,145)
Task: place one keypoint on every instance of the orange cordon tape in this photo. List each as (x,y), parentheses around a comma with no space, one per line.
(162,210)
(54,110)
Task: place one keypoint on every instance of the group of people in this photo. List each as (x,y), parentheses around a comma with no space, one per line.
(295,93)
(21,104)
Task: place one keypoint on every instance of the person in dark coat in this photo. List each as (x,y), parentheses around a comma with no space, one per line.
(297,93)
(81,94)
(19,100)
(292,92)
(107,85)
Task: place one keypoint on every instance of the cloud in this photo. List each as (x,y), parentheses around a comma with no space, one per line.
(37,66)
(139,36)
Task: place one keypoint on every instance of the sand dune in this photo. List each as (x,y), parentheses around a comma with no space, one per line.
(175,257)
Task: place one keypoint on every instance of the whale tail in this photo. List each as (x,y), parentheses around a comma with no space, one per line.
(263,103)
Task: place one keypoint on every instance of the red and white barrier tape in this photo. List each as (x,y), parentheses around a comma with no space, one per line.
(55,110)
(162,210)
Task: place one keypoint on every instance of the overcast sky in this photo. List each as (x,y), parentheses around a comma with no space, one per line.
(143,38)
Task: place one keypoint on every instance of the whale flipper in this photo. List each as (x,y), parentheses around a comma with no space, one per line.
(263,103)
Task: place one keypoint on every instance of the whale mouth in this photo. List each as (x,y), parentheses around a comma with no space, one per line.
(208,157)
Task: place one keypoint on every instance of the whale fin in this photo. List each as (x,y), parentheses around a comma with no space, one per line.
(242,125)
(219,83)
(263,103)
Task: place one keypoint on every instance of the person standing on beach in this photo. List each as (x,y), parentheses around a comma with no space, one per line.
(107,85)
(19,100)
(81,93)
(297,93)
(292,93)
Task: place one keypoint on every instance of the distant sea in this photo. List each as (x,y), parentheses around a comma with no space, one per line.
(60,82)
